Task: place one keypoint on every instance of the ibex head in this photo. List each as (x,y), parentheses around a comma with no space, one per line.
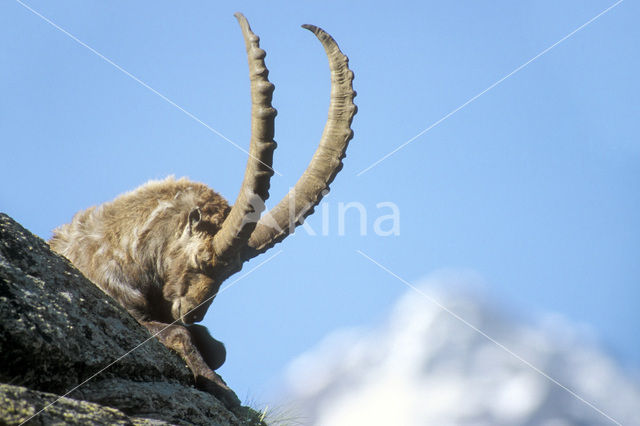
(190,278)
(214,240)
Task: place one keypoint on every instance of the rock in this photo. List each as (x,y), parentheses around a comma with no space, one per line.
(60,335)
(19,403)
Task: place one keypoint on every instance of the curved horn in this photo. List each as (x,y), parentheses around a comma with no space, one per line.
(241,221)
(325,164)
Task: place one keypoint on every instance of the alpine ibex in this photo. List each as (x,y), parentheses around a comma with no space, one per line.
(164,249)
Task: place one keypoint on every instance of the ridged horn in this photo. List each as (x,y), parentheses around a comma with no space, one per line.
(241,221)
(325,164)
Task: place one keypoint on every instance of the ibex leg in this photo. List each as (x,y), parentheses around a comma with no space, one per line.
(181,340)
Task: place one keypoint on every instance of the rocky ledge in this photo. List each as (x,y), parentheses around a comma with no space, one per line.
(69,354)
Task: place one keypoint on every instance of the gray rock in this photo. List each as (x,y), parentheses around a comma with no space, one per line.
(19,403)
(60,335)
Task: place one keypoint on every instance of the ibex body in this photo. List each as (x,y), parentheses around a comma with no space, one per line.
(164,249)
(148,248)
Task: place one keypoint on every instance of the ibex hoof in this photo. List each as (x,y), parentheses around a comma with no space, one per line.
(218,388)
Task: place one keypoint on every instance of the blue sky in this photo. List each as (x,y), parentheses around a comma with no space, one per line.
(533,186)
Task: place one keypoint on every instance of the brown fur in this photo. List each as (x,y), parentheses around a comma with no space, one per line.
(141,248)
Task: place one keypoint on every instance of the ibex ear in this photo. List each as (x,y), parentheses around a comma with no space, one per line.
(194,219)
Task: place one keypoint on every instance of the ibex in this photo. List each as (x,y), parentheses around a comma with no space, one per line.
(163,250)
